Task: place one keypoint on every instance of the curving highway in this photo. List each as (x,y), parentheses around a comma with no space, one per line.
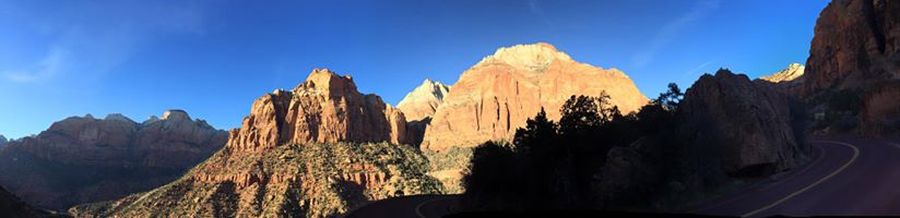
(848,176)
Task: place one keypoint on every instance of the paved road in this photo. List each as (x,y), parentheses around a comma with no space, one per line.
(419,206)
(847,177)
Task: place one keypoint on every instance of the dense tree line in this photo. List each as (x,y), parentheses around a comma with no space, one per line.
(553,165)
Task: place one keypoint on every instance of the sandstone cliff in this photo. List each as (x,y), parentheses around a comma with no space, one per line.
(747,126)
(325,108)
(306,152)
(856,45)
(880,113)
(497,95)
(419,107)
(854,60)
(83,159)
(423,101)
(791,73)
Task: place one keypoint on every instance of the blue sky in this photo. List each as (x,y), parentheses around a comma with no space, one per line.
(213,58)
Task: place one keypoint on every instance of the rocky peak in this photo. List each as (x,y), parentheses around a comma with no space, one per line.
(325,108)
(327,83)
(424,100)
(151,119)
(531,57)
(496,96)
(176,115)
(792,72)
(153,153)
(117,117)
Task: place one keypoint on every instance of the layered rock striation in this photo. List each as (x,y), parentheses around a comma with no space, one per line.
(326,108)
(496,96)
(420,105)
(424,100)
(856,45)
(83,159)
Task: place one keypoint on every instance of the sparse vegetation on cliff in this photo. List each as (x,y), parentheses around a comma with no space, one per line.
(311,180)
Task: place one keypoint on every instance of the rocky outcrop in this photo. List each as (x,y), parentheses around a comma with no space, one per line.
(791,73)
(83,159)
(306,152)
(326,108)
(880,112)
(746,126)
(420,105)
(856,44)
(497,95)
(423,101)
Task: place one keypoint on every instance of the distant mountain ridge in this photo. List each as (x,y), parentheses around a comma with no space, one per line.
(316,151)
(84,159)
(791,73)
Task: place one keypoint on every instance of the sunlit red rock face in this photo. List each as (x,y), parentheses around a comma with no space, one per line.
(497,95)
(83,159)
(325,108)
(316,151)
(424,100)
(420,105)
(856,44)
(791,73)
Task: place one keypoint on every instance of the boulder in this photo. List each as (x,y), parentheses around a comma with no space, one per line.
(747,127)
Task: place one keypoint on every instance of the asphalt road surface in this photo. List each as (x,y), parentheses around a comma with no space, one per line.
(848,176)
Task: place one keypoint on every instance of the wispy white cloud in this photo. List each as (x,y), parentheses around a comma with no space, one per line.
(668,32)
(47,67)
(536,10)
(697,69)
(92,38)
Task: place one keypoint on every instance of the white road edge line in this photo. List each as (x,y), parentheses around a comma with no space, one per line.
(894,144)
(419,207)
(839,170)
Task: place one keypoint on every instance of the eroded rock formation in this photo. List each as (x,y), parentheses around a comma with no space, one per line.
(83,159)
(856,44)
(423,101)
(316,151)
(880,113)
(497,95)
(748,127)
(792,72)
(420,105)
(326,108)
